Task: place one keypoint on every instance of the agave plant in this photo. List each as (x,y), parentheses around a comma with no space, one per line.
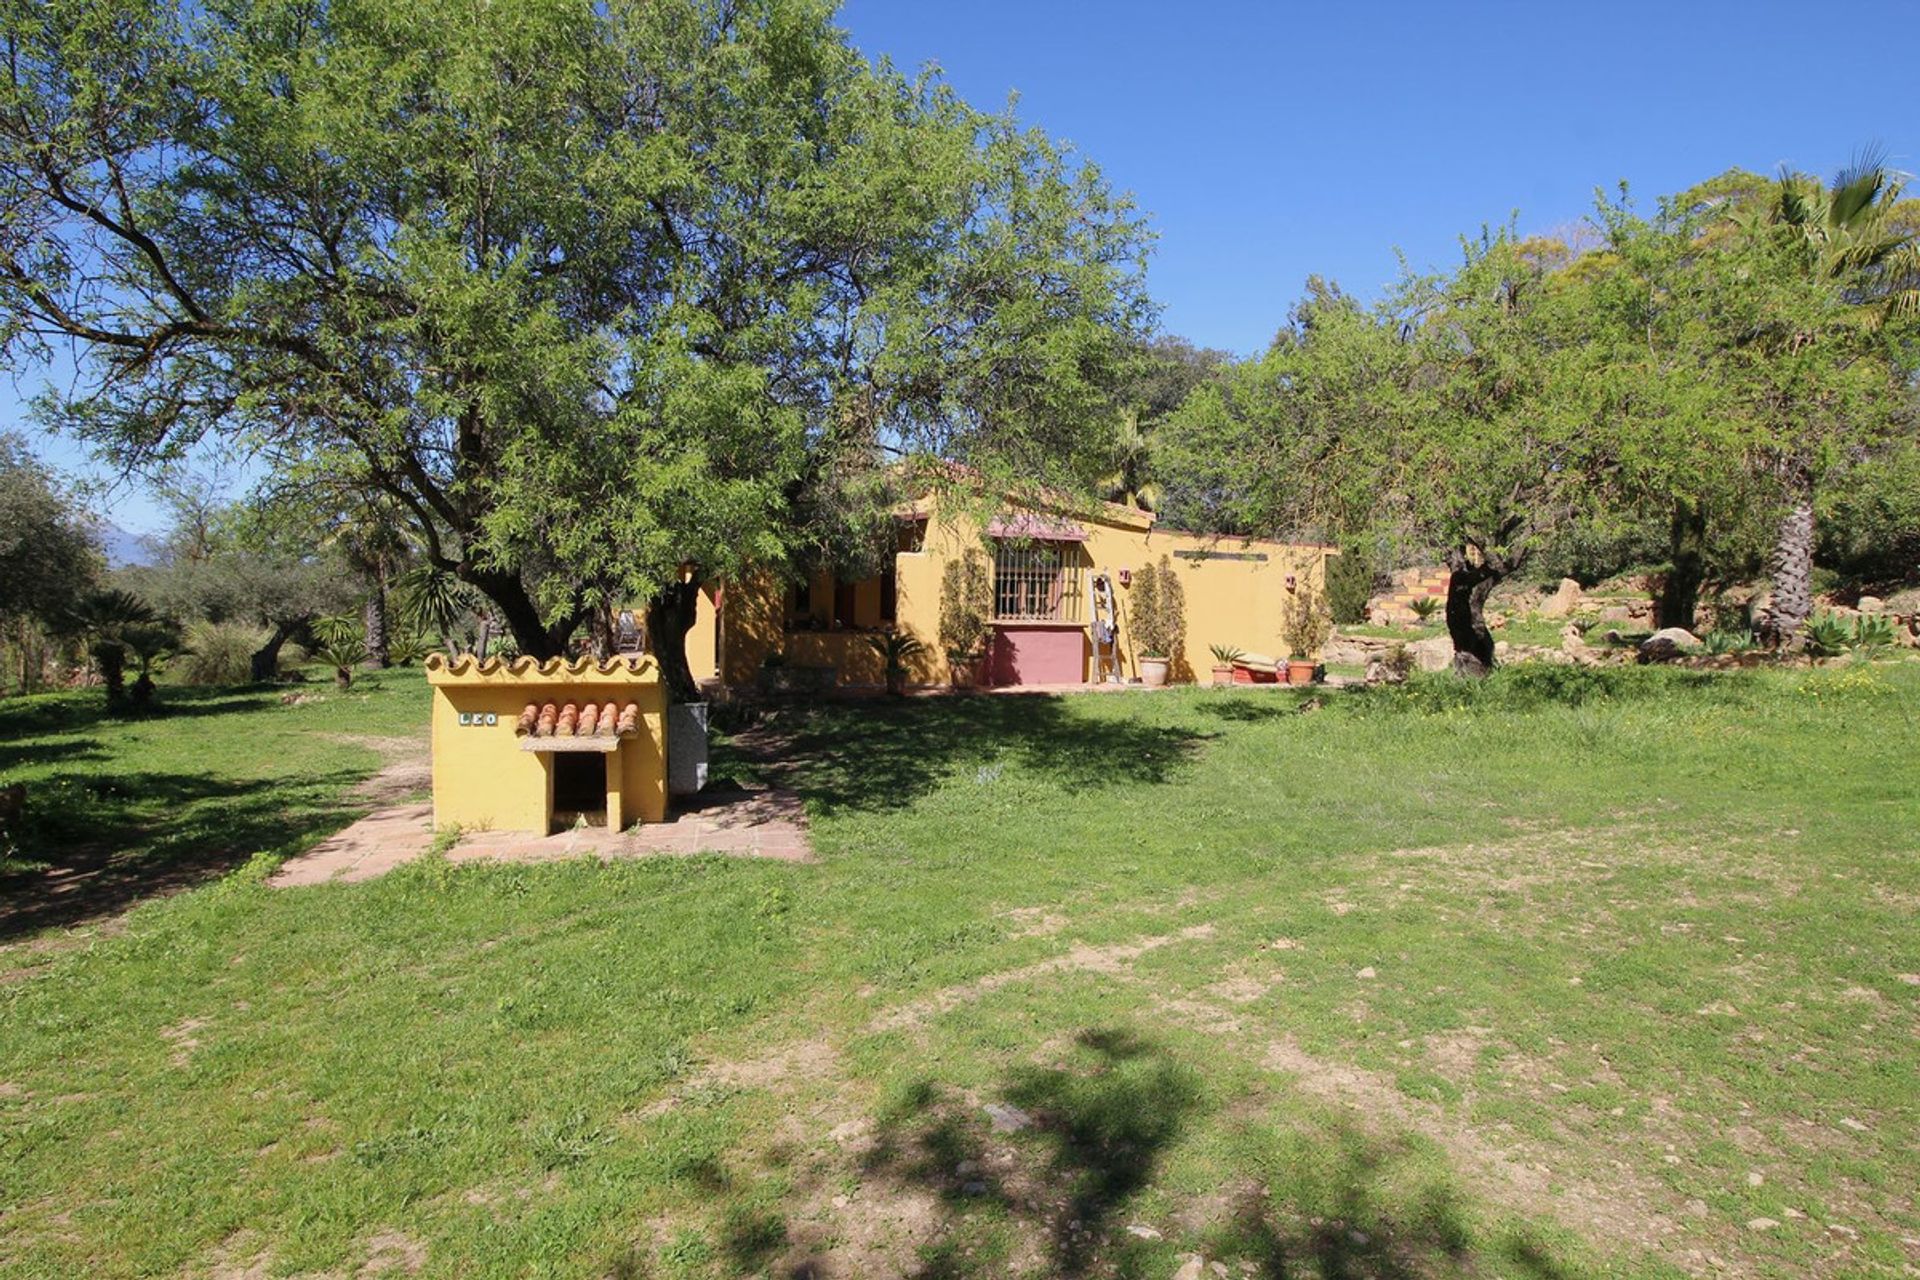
(1827,636)
(1226,654)
(1872,633)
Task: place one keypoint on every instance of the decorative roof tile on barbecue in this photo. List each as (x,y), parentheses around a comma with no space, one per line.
(578,720)
(623,668)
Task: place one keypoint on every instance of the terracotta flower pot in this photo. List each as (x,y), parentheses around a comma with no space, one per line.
(1153,672)
(1300,671)
(1223,674)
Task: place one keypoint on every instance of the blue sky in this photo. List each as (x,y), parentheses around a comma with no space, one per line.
(1271,141)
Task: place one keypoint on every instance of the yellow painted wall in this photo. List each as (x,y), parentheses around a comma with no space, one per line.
(483,780)
(1229,601)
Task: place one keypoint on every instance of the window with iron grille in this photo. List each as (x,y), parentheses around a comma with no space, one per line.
(1036,581)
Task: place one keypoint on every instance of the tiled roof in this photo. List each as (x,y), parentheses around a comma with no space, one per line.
(579,720)
(526,666)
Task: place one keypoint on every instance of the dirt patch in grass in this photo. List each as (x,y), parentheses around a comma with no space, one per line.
(1112,960)
(1634,1209)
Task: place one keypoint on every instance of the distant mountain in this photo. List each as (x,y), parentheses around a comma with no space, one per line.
(124,550)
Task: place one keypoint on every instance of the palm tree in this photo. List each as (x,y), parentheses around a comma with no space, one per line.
(1847,236)
(149,644)
(108,620)
(372,533)
(1132,456)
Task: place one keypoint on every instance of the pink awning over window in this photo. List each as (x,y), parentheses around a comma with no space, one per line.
(1028,525)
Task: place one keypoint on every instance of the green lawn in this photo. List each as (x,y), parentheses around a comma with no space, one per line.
(1572,973)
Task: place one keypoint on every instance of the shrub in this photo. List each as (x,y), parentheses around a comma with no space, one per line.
(220,653)
(1308,622)
(1350,580)
(1159,609)
(1424,607)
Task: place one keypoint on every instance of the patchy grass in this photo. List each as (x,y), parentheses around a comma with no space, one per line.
(1570,973)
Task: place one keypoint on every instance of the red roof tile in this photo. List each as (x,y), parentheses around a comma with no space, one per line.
(578,720)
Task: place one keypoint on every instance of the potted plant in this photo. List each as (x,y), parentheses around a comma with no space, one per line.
(1159,609)
(966,596)
(895,647)
(1309,624)
(1224,656)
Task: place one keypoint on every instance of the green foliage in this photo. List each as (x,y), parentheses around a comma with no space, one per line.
(219,653)
(1351,576)
(1226,654)
(966,606)
(48,560)
(1157,612)
(896,647)
(1424,607)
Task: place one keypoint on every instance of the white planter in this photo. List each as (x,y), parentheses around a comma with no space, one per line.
(1153,672)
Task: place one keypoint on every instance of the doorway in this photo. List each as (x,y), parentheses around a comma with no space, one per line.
(579,790)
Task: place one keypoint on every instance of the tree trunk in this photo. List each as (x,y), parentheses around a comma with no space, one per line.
(264,665)
(1468,587)
(1687,550)
(374,616)
(1782,622)
(112,661)
(519,613)
(670,615)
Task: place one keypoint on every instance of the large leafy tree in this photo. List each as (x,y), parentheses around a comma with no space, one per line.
(596,293)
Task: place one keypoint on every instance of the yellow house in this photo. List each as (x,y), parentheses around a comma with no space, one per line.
(1043,566)
(522,745)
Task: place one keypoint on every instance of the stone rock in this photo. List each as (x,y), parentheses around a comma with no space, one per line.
(1192,1269)
(1145,1233)
(1366,973)
(1435,653)
(1667,644)
(1872,604)
(1006,1119)
(1564,600)
(1761,1224)
(1502,649)
(1616,613)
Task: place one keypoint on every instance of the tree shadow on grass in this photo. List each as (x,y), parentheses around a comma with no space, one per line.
(882,755)
(1097,1135)
(42,753)
(1063,1194)
(92,845)
(87,709)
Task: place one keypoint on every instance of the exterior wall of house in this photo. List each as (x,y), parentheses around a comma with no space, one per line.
(483,780)
(1234,592)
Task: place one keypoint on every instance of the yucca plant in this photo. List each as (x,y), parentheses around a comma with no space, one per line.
(1424,607)
(1226,654)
